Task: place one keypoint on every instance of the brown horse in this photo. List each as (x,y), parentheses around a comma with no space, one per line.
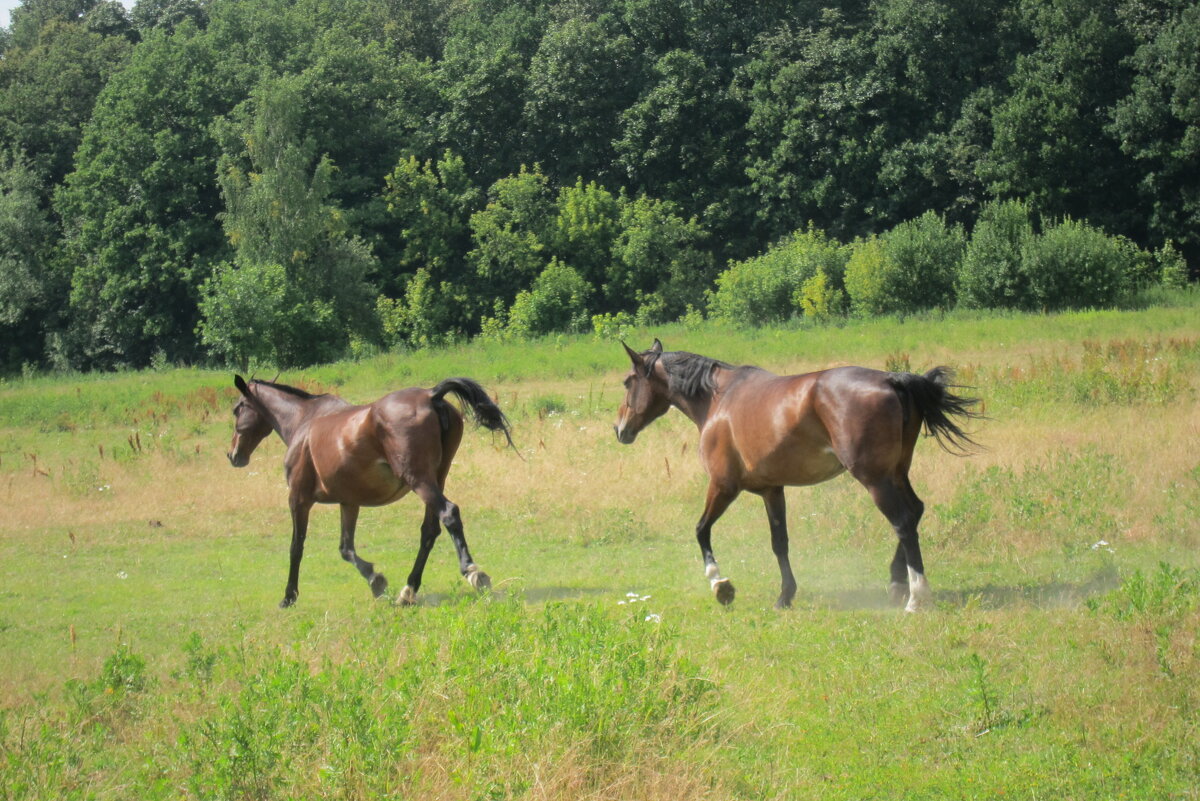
(366,456)
(760,432)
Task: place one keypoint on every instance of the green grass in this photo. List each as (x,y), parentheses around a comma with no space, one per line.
(142,653)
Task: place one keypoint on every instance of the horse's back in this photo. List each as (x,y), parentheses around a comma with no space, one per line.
(806,428)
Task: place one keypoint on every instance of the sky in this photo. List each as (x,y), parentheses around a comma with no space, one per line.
(5,7)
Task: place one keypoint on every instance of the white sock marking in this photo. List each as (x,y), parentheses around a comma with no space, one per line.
(919,594)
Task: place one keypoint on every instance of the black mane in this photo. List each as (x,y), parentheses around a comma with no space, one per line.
(688,374)
(299,393)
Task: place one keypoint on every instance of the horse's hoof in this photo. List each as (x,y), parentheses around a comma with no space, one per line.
(478,579)
(919,595)
(379,584)
(286,602)
(897,593)
(918,602)
(783,603)
(407,597)
(723,589)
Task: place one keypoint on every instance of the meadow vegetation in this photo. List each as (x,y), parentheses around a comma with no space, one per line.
(142,653)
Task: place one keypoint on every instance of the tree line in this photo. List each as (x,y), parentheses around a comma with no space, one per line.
(295,180)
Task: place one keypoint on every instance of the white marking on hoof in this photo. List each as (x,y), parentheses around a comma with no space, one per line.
(723,589)
(477,578)
(919,594)
(898,593)
(407,596)
(721,586)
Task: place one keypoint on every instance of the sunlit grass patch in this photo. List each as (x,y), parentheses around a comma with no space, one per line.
(601,666)
(469,698)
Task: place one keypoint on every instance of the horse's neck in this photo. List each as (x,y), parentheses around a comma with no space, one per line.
(287,412)
(697,408)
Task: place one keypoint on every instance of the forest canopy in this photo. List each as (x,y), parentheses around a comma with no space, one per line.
(290,181)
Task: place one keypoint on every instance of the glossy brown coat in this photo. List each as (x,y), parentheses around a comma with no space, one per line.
(368,455)
(760,432)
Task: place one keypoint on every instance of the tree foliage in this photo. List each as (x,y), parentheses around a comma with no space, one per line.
(293,247)
(464,164)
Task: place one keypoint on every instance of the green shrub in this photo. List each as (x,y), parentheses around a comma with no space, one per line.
(1073,265)
(583,232)
(431,313)
(1172,269)
(866,277)
(556,302)
(612,326)
(509,234)
(990,275)
(254,312)
(923,256)
(769,288)
(819,298)
(123,671)
(658,261)
(912,267)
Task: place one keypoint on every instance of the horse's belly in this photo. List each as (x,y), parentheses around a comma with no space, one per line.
(376,485)
(793,470)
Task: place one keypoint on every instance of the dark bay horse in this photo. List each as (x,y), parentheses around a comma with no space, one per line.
(760,432)
(366,456)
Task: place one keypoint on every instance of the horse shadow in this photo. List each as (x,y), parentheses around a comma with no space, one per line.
(1048,595)
(529,594)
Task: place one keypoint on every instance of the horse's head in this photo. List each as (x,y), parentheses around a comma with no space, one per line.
(646,394)
(250,425)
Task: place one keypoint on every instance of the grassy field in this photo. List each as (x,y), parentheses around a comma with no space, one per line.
(142,653)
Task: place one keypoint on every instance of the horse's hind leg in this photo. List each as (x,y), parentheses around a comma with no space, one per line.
(430,528)
(898,589)
(446,512)
(349,522)
(903,509)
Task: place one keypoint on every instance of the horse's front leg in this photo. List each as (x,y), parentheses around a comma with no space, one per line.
(718,500)
(300,508)
(777,517)
(349,521)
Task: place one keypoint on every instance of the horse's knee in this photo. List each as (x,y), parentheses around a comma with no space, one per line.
(347,554)
(449,515)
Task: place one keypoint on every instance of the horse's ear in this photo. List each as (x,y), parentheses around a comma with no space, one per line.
(240,383)
(634,356)
(657,348)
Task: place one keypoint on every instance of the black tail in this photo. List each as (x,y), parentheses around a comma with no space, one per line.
(483,409)
(931,395)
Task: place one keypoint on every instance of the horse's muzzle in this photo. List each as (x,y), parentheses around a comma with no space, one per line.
(237,461)
(624,435)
